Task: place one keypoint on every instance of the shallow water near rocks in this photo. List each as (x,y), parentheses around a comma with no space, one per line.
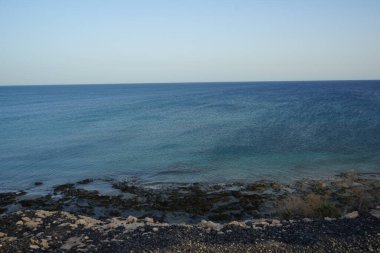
(175,133)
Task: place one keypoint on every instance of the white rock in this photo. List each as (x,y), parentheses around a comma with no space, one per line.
(328,219)
(149,220)
(210,225)
(155,229)
(19,223)
(276,222)
(375,213)
(131,219)
(2,234)
(307,220)
(34,247)
(352,215)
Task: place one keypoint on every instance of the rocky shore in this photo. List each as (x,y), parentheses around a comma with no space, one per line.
(59,231)
(341,214)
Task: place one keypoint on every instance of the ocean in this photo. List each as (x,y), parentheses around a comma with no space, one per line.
(194,132)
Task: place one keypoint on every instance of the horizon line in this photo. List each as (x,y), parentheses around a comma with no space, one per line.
(190,82)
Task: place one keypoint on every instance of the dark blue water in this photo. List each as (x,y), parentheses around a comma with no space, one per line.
(188,132)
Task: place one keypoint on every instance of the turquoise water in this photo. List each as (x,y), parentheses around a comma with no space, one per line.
(206,132)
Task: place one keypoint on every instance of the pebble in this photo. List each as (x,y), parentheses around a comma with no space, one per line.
(375,213)
(44,243)
(19,223)
(155,229)
(34,246)
(2,234)
(25,219)
(352,215)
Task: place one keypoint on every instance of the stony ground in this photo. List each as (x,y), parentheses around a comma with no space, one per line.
(55,231)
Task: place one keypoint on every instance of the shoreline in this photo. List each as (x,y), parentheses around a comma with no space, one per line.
(337,215)
(190,203)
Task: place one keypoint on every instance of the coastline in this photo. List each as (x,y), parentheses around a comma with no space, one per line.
(50,231)
(341,214)
(190,203)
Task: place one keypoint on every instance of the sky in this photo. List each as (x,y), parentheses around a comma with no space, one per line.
(142,41)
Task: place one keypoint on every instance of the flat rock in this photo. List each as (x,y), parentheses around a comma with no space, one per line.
(375,213)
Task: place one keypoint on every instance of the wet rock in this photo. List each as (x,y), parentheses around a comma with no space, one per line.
(352,215)
(38,183)
(85,181)
(63,187)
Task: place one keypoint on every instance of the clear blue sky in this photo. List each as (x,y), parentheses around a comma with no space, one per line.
(90,41)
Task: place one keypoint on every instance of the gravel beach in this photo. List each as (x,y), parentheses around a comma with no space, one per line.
(44,231)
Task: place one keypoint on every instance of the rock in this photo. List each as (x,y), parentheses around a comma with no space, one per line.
(149,220)
(72,242)
(210,225)
(32,224)
(155,229)
(43,213)
(2,234)
(237,224)
(375,213)
(88,222)
(81,222)
(131,219)
(37,183)
(352,215)
(328,219)
(307,220)
(25,219)
(34,246)
(261,222)
(44,244)
(19,223)
(276,222)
